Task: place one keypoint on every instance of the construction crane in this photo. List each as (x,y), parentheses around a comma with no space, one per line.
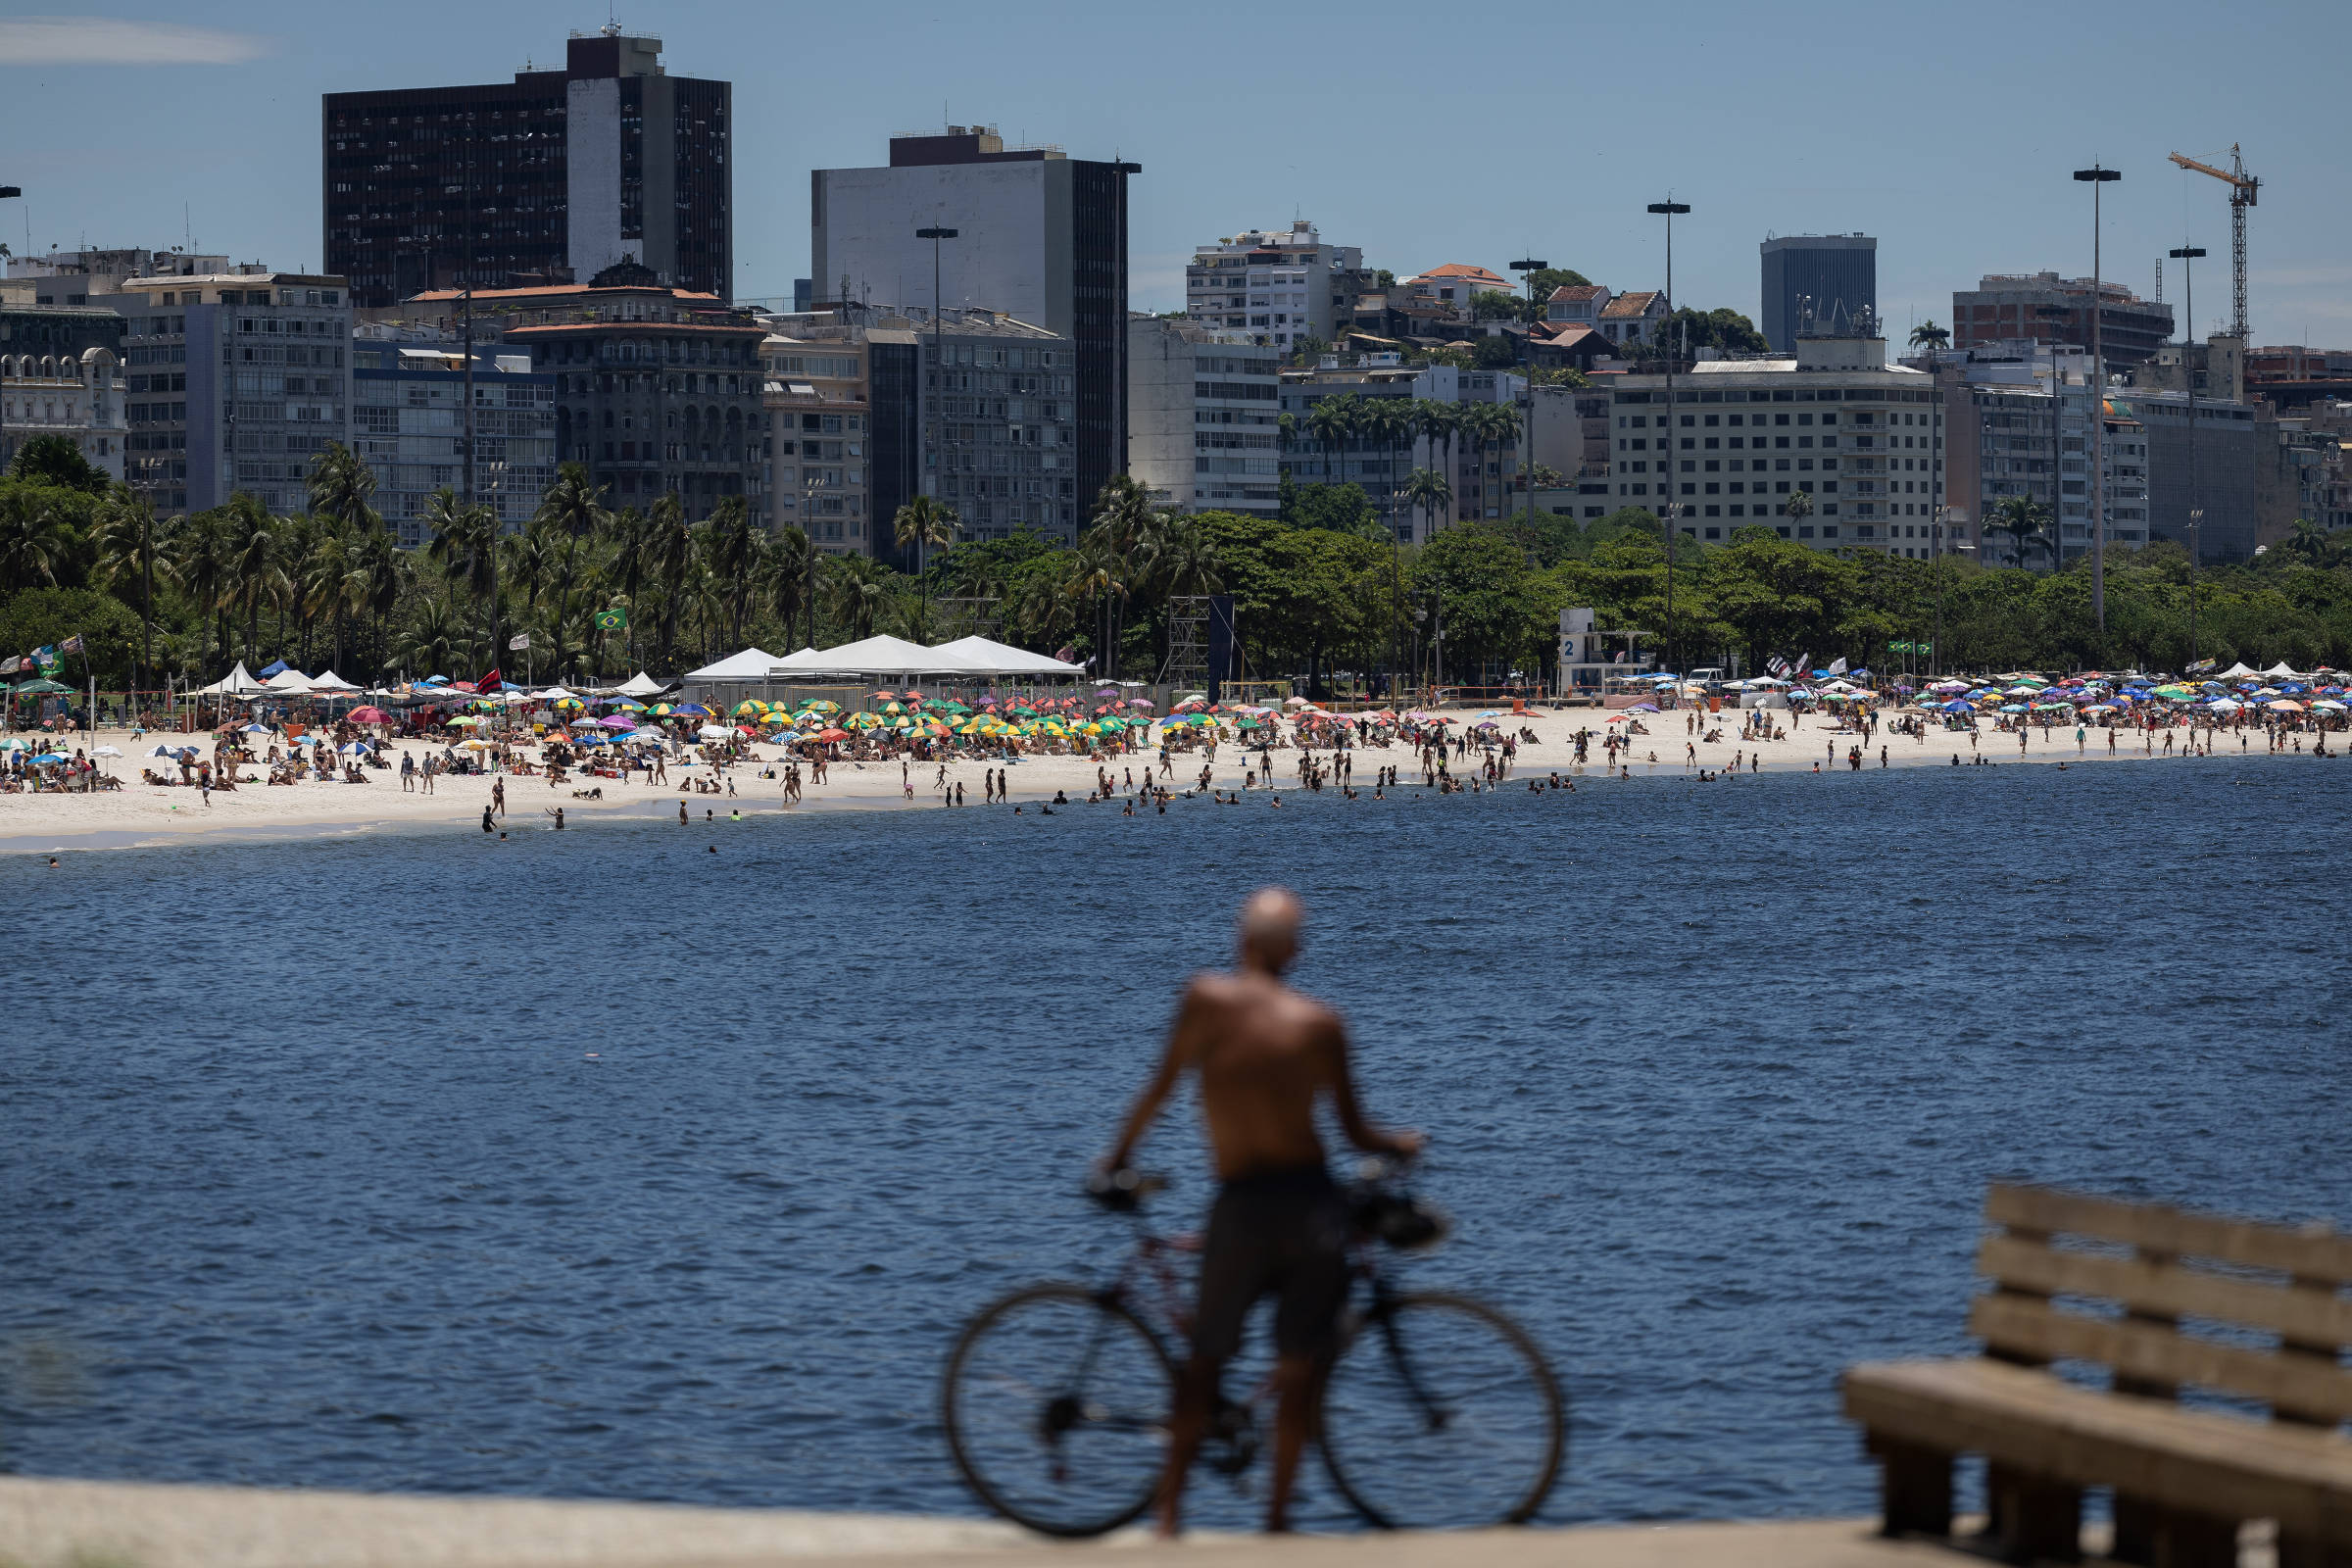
(2243,189)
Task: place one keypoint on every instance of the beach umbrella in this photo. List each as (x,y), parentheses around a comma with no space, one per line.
(715,732)
(2284,706)
(583,723)
(617,722)
(1642,708)
(477,744)
(109,751)
(692,711)
(355,749)
(252,729)
(749,707)
(2323,705)
(50,756)
(831,735)
(2013,708)
(623,705)
(370,716)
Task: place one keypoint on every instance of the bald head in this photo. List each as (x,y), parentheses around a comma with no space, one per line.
(1270,929)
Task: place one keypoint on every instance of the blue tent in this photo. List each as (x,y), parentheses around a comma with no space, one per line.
(279,668)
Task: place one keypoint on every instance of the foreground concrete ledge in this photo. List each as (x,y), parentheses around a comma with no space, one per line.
(99,1524)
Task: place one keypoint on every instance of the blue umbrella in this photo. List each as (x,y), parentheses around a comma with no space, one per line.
(2013,708)
(1958,707)
(50,756)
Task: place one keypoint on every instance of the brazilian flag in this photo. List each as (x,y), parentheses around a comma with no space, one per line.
(614,620)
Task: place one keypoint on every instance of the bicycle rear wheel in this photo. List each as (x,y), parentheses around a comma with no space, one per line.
(1440,1413)
(1056,1406)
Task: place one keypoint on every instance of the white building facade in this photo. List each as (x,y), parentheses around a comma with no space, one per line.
(78,397)
(1204,417)
(1732,440)
(1280,286)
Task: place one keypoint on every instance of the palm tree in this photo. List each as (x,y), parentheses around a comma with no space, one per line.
(2310,541)
(1931,337)
(1332,422)
(1799,507)
(1439,423)
(1503,428)
(37,535)
(922,522)
(429,644)
(2023,519)
(668,555)
(251,539)
(343,488)
(572,506)
(1427,489)
(733,551)
(783,577)
(133,547)
(859,588)
(1389,424)
(202,541)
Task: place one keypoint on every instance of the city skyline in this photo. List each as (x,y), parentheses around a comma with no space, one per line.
(1956,167)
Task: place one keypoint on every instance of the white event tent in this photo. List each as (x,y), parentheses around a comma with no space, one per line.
(237,682)
(751,663)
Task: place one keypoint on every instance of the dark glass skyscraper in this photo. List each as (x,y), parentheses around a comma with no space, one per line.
(553,177)
(1818,284)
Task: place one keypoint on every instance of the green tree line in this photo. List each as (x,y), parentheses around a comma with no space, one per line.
(1325,587)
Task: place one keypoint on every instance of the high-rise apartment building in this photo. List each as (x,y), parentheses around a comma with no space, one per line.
(1277,286)
(1732,440)
(552,177)
(2045,308)
(1204,411)
(657,390)
(1041,238)
(238,381)
(846,427)
(407,425)
(1482,473)
(1818,282)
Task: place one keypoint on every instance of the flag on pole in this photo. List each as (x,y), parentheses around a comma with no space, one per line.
(72,644)
(488,683)
(1776,666)
(613,619)
(1804,664)
(1837,666)
(518,642)
(47,657)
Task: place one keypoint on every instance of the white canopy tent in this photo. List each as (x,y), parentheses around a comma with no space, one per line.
(2237,671)
(751,665)
(2281,670)
(235,683)
(331,682)
(639,685)
(1003,659)
(876,656)
(292,682)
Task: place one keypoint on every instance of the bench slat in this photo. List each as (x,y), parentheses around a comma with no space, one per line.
(2214,1464)
(2139,1351)
(2306,1315)
(2314,1254)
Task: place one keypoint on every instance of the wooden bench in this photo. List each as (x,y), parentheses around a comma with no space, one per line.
(2183,1479)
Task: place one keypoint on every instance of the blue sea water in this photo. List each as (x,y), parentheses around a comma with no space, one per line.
(599,1164)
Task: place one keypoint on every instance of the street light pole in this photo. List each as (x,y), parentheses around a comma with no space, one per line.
(939,368)
(2186,256)
(2096,176)
(1527,446)
(1667,209)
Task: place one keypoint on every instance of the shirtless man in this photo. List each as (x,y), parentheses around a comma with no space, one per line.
(1266,1055)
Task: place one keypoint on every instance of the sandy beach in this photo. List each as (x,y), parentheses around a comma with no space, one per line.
(142,815)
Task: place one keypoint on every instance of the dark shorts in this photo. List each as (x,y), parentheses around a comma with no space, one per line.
(1278,1232)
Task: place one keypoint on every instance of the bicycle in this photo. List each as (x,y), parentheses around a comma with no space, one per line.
(1437,1412)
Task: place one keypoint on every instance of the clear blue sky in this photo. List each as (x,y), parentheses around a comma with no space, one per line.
(1423,134)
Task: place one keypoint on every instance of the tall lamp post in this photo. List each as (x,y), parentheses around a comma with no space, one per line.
(1667,209)
(1528,269)
(939,368)
(2096,176)
(2186,256)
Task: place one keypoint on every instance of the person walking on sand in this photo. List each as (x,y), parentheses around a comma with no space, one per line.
(498,796)
(1266,1056)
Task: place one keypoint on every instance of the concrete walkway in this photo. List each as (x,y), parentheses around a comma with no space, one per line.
(88,1524)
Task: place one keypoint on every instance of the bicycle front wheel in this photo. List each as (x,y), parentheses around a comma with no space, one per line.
(1441,1414)
(1056,1403)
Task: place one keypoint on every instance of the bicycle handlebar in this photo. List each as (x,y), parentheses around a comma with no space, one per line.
(1123,1191)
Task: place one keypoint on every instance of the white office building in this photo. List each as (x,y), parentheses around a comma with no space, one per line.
(1204,417)
(1280,286)
(1732,440)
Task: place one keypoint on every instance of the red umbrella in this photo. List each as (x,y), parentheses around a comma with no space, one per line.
(832,734)
(370,716)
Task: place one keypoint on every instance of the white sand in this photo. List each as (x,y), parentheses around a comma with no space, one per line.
(142,814)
